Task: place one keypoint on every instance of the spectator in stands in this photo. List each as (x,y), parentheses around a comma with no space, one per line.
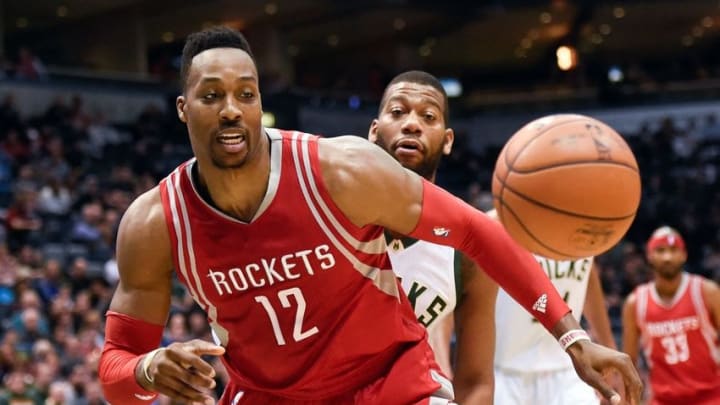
(85,229)
(29,66)
(20,390)
(22,220)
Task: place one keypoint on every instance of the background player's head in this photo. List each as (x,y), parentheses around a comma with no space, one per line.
(412,122)
(666,252)
(220,102)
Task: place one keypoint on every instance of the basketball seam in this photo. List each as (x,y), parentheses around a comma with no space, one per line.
(579,162)
(558,210)
(527,231)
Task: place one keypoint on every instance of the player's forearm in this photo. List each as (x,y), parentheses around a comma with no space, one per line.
(447,220)
(126,341)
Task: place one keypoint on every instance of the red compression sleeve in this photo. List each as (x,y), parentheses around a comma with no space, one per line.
(126,340)
(447,220)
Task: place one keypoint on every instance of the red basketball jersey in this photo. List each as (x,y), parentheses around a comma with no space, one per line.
(679,341)
(304,302)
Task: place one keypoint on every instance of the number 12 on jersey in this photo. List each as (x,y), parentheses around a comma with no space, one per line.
(284,297)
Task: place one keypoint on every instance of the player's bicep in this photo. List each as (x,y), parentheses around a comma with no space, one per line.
(144,262)
(369,185)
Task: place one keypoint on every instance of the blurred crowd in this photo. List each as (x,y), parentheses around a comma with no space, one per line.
(67,176)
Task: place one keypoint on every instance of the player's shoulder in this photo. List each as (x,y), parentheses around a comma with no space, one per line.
(710,287)
(344,160)
(632,298)
(145,214)
(346,148)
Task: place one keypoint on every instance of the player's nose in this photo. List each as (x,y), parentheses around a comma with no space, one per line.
(411,124)
(230,110)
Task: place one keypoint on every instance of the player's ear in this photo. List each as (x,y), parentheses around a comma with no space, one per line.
(372,132)
(180,106)
(448,142)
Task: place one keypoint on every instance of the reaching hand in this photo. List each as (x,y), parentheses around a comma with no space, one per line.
(180,373)
(614,378)
(591,361)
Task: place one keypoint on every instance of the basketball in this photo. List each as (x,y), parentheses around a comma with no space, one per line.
(566,186)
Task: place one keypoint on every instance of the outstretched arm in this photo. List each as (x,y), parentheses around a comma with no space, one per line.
(405,203)
(138,313)
(596,312)
(475,324)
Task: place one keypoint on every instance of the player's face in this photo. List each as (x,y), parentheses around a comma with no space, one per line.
(411,127)
(222,108)
(667,261)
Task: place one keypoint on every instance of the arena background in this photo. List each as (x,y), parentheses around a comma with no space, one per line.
(87,122)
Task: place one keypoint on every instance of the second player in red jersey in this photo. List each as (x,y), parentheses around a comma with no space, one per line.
(675,319)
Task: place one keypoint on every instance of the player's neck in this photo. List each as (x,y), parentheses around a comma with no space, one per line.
(667,287)
(237,192)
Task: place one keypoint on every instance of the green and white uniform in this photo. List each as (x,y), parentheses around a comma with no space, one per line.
(428,276)
(530,365)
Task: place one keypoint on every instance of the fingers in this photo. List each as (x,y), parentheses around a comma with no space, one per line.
(202,348)
(182,397)
(596,380)
(631,378)
(187,355)
(188,359)
(180,383)
(180,373)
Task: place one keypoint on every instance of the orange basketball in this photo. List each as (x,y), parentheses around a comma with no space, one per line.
(566,186)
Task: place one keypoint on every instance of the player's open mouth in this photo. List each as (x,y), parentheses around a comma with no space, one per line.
(231,139)
(408,145)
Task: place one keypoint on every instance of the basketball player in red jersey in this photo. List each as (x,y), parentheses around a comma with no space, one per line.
(274,236)
(675,318)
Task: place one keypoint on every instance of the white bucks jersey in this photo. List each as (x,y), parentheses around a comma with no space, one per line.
(427,273)
(523,344)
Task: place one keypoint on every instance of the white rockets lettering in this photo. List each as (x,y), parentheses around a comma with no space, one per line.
(672,327)
(272,270)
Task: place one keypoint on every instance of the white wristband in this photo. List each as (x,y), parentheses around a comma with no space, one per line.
(146,364)
(572,336)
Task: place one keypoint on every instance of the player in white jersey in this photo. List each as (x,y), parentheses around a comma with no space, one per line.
(412,126)
(530,366)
